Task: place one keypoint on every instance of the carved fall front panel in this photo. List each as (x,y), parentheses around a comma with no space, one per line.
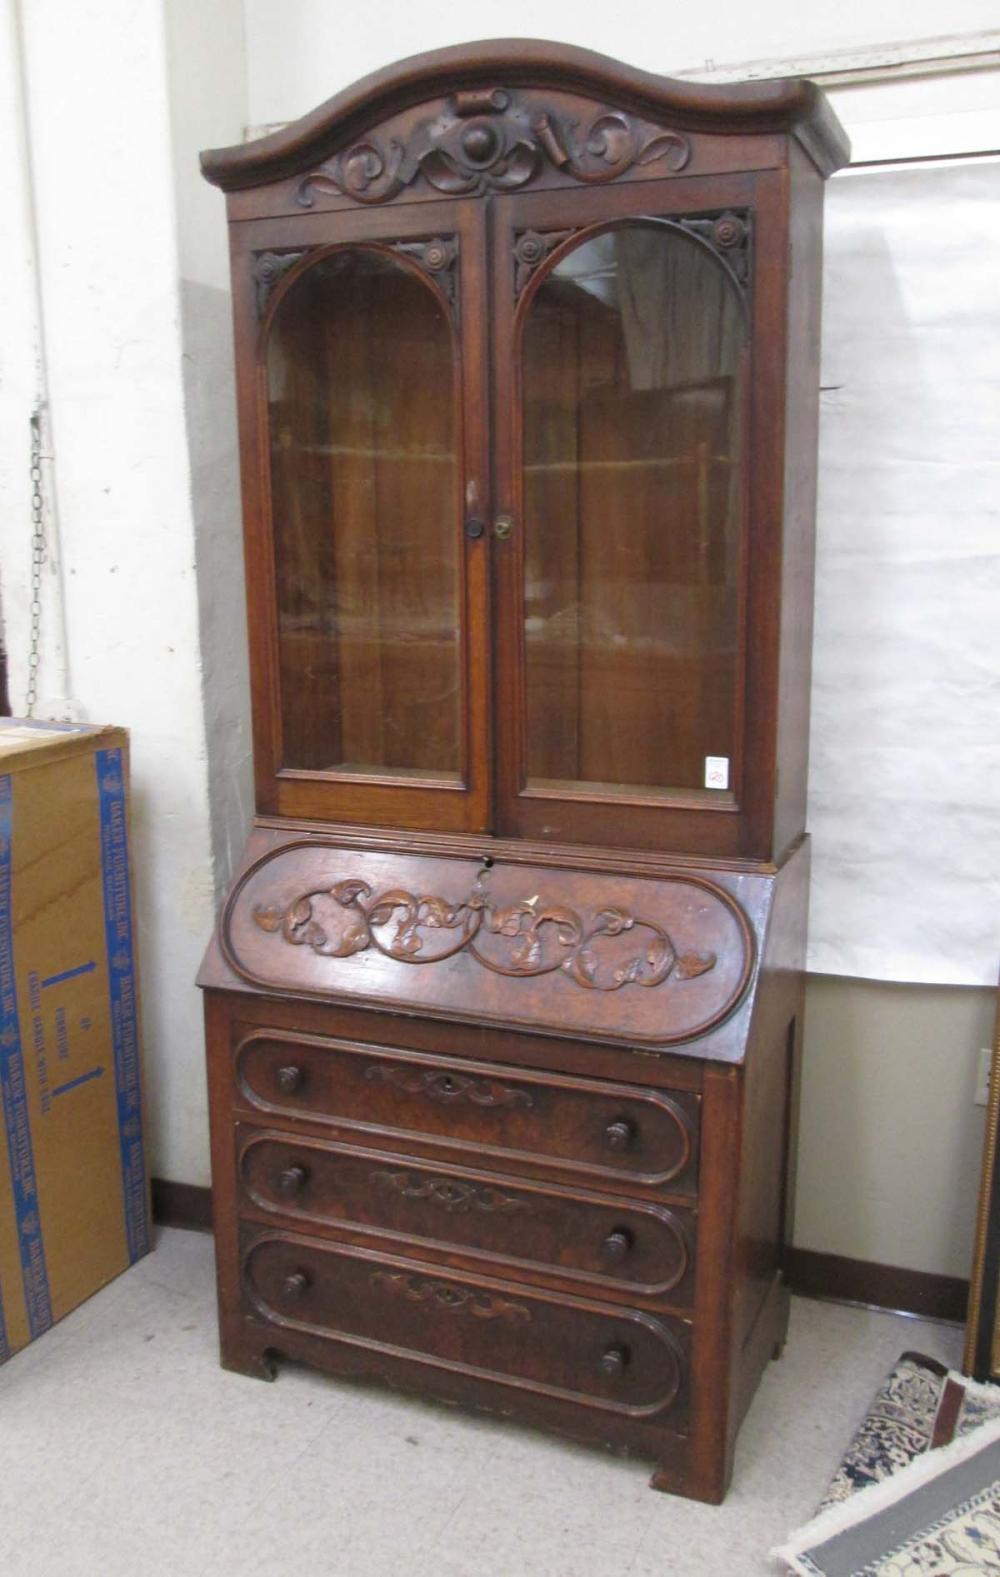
(633,958)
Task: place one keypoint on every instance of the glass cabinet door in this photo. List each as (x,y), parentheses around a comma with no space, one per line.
(630,381)
(362,377)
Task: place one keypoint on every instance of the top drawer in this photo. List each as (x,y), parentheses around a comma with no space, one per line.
(613,1131)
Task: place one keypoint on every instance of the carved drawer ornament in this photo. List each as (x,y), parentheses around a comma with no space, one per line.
(535,938)
(445,1295)
(453,1194)
(449,1088)
(493,141)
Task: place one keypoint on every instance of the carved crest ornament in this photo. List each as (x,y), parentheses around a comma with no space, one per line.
(529,938)
(490,140)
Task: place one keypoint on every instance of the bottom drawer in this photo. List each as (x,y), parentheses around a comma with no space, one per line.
(619,1360)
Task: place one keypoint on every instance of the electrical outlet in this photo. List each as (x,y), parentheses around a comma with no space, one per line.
(982,1095)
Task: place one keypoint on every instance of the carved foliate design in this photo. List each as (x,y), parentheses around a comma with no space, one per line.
(492,140)
(436,257)
(448,1088)
(532,938)
(453,1194)
(268,269)
(455,1300)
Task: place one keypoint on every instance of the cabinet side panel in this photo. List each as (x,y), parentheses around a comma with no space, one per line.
(798,554)
(769,1123)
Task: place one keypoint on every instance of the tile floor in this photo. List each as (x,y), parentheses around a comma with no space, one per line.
(124,1448)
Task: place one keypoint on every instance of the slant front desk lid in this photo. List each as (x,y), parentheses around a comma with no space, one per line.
(658,962)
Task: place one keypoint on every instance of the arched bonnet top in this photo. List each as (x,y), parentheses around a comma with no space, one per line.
(793,106)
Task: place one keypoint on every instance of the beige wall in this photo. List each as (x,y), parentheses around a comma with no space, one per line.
(890,1140)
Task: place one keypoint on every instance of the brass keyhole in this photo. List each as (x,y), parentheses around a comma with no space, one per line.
(503,526)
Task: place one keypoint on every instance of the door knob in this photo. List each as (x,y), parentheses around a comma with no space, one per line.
(615,1361)
(617,1244)
(291,1180)
(619,1135)
(295,1285)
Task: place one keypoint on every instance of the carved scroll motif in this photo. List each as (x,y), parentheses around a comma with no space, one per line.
(436,257)
(522,939)
(453,1194)
(492,141)
(728,235)
(448,1088)
(445,1295)
(531,248)
(268,269)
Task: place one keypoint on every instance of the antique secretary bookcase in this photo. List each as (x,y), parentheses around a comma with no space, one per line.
(504,1003)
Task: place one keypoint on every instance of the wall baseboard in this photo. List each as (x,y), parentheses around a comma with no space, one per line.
(182,1205)
(807,1272)
(815,1275)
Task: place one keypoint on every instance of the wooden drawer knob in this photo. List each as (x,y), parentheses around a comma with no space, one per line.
(614,1361)
(289,1079)
(291,1180)
(617,1244)
(619,1135)
(295,1285)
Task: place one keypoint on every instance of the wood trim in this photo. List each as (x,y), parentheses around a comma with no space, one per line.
(187,1205)
(980,1335)
(811,1274)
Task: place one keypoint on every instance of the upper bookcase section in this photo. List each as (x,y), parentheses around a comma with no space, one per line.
(510,113)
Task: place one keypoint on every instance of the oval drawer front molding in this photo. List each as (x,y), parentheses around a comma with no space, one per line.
(632,1247)
(626,957)
(581,1125)
(616,1359)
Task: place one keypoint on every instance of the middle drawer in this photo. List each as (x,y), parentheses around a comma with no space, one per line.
(643,1250)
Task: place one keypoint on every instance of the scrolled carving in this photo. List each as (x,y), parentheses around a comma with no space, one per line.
(268,269)
(489,140)
(451,1298)
(611,145)
(436,257)
(531,248)
(729,236)
(453,1194)
(448,1088)
(530,937)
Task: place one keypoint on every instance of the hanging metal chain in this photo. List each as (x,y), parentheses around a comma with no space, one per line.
(37,560)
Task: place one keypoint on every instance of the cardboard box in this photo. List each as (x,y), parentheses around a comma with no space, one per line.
(74,1196)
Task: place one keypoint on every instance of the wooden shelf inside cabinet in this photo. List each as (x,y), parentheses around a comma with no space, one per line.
(504,1003)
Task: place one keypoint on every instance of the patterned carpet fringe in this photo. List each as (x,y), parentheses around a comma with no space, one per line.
(964,1542)
(917,1493)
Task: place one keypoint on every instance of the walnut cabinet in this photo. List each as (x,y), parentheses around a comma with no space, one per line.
(504,1003)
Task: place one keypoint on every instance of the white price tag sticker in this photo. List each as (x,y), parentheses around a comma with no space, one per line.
(717,772)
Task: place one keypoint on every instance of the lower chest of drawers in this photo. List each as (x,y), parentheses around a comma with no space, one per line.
(530,1231)
(517,1238)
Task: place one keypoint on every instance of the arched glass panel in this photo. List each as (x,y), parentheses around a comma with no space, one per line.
(632,357)
(365,493)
